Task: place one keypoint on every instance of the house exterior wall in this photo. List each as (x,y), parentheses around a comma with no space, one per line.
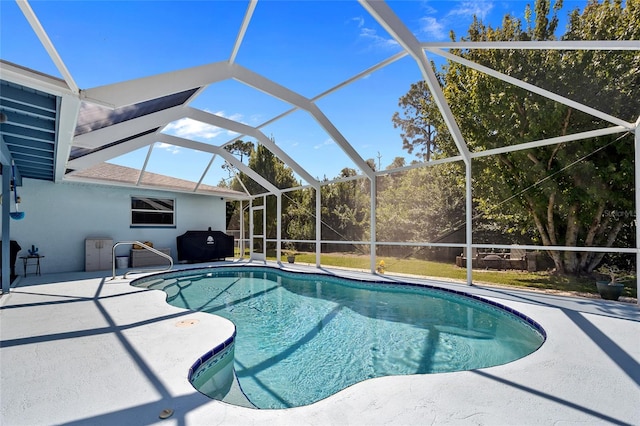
(59,217)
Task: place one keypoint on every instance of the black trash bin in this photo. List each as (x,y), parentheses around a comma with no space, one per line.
(14,249)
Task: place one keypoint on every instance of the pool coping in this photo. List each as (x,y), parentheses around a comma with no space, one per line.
(586,371)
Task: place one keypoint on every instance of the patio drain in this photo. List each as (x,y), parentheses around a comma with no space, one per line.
(166,413)
(187,323)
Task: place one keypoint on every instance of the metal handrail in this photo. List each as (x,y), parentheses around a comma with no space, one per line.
(144,246)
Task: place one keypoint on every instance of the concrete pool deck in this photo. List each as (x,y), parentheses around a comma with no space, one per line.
(80,348)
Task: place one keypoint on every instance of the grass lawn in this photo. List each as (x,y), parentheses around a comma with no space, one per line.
(533,280)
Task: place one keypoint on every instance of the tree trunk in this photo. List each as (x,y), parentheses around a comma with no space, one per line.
(542,230)
(551,226)
(571,240)
(587,258)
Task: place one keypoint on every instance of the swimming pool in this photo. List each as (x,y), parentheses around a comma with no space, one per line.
(301,337)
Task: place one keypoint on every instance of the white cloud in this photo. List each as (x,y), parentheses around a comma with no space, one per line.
(235,117)
(191,129)
(432,28)
(462,11)
(480,8)
(327,142)
(256,118)
(197,130)
(371,37)
(167,147)
(376,40)
(428,9)
(359,20)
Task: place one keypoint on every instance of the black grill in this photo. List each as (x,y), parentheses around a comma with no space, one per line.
(204,246)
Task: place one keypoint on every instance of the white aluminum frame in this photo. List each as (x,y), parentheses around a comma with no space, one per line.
(142,89)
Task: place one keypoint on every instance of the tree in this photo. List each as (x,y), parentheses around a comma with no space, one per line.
(271,168)
(346,208)
(240,149)
(614,76)
(300,215)
(419,121)
(432,204)
(565,189)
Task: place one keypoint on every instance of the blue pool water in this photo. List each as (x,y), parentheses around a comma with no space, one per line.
(303,337)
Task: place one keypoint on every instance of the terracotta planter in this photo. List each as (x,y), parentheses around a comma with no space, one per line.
(609,291)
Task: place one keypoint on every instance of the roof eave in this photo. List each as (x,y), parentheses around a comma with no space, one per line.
(230,194)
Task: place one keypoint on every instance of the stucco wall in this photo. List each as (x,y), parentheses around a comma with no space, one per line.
(59,217)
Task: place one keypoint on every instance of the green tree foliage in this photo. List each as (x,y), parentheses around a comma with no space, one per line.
(271,168)
(300,215)
(345,212)
(613,77)
(241,149)
(419,128)
(346,209)
(421,204)
(567,189)
(432,198)
(345,205)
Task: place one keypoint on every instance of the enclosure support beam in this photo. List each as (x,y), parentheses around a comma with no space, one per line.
(636,151)
(242,234)
(243,29)
(37,28)
(264,228)
(6,236)
(533,88)
(251,220)
(385,16)
(318,224)
(372,231)
(68,107)
(469,221)
(278,226)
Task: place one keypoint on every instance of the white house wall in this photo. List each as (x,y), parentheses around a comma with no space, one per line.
(59,217)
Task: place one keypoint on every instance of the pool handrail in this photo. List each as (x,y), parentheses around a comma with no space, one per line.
(144,246)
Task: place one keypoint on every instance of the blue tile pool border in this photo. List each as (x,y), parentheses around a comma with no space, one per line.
(217,350)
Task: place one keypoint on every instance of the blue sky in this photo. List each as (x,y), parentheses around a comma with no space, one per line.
(306,46)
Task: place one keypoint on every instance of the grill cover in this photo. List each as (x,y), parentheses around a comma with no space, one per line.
(203,246)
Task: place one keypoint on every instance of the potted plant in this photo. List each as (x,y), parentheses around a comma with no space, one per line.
(291,253)
(611,289)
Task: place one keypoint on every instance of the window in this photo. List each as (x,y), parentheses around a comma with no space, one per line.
(147,211)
